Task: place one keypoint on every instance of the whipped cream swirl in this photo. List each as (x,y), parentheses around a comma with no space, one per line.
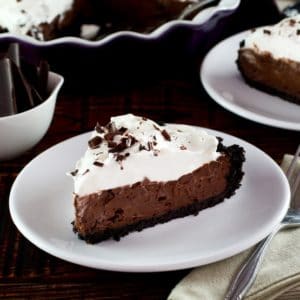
(131,149)
(24,16)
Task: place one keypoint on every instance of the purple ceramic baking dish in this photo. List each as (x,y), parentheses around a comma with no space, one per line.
(122,57)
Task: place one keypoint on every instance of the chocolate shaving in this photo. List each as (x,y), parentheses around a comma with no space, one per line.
(121,157)
(8,104)
(150,146)
(142,147)
(298,32)
(43,74)
(95,142)
(111,144)
(13,53)
(28,85)
(109,136)
(132,139)
(166,135)
(111,126)
(99,128)
(292,22)
(98,164)
(74,173)
(120,147)
(242,43)
(266,31)
(122,130)
(85,172)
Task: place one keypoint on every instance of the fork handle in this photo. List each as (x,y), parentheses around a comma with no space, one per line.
(247,274)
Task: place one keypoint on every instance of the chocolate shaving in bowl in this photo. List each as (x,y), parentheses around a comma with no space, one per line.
(8,104)
(23,85)
(13,53)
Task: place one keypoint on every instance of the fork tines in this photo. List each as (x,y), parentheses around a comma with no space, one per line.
(294,180)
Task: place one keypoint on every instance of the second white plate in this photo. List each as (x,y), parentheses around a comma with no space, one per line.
(224,83)
(41,207)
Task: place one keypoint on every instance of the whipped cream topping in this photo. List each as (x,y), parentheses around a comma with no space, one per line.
(20,17)
(281,40)
(131,149)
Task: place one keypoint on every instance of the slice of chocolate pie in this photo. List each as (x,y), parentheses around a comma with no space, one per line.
(136,174)
(269,59)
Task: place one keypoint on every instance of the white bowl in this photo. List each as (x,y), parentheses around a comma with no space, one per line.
(20,132)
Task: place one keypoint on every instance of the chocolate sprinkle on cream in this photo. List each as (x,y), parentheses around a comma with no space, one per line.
(99,128)
(142,147)
(74,173)
(166,135)
(121,157)
(98,164)
(95,142)
(85,172)
(298,31)
(292,22)
(150,146)
(266,31)
(111,144)
(120,147)
(122,130)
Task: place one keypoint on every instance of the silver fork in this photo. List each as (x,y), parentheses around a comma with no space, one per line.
(247,274)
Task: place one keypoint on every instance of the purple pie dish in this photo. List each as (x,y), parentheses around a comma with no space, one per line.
(176,47)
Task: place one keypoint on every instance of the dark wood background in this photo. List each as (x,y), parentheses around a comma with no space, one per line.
(29,273)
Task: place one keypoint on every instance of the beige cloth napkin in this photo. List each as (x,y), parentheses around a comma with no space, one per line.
(280,270)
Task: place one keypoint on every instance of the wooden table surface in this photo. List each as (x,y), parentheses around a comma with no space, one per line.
(27,272)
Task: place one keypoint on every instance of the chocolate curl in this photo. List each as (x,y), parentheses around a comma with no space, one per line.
(7,92)
(38,80)
(13,53)
(43,78)
(23,90)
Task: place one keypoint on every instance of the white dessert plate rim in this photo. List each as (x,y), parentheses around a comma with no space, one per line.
(41,207)
(223,82)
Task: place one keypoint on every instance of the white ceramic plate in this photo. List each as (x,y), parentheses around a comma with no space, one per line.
(223,82)
(41,207)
